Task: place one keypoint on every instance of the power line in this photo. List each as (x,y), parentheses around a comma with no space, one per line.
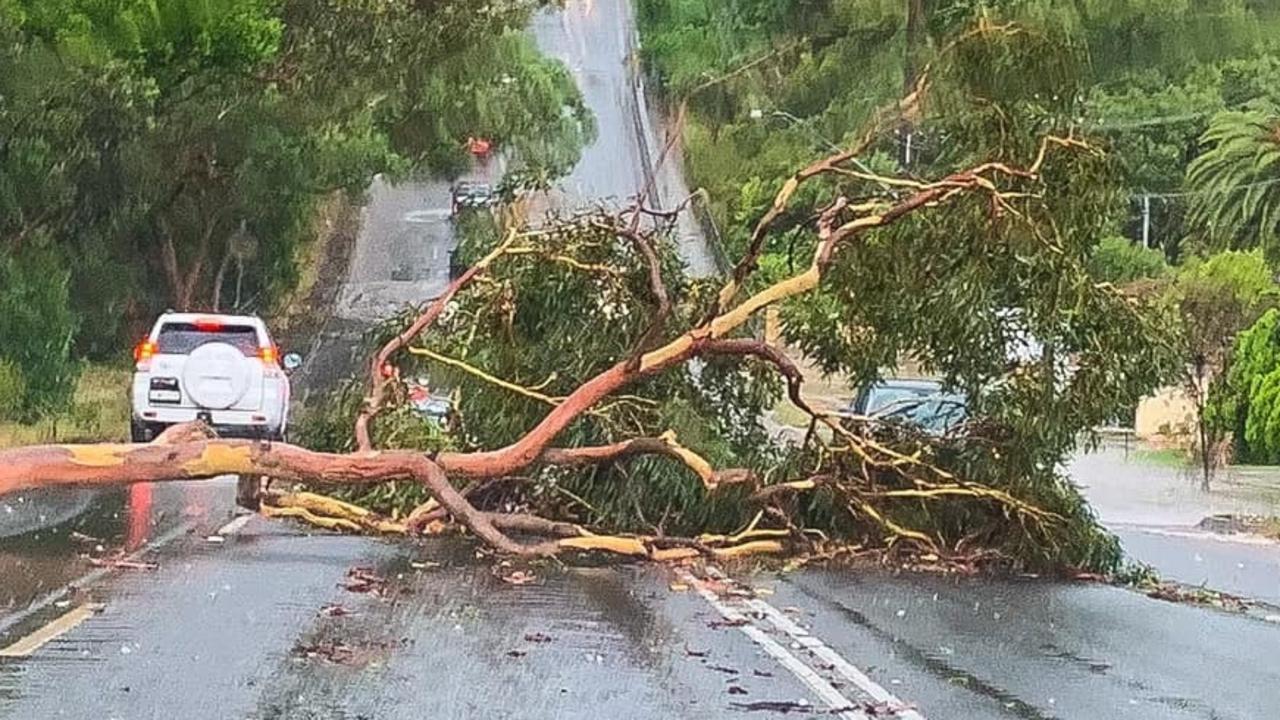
(1189,193)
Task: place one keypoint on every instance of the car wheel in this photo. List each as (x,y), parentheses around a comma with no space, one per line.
(138,432)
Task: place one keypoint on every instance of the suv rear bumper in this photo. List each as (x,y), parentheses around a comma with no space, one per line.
(226,423)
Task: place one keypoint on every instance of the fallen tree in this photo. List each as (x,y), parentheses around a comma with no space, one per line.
(850,466)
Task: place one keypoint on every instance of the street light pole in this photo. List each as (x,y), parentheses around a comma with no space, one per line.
(757,114)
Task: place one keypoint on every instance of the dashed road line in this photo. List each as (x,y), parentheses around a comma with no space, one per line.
(818,684)
(806,640)
(236,525)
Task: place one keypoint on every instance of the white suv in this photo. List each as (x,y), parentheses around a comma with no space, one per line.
(223,369)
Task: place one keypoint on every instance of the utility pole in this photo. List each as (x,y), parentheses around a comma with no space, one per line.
(1146,220)
(915,40)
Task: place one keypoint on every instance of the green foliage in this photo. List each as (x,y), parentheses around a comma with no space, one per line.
(98,412)
(37,326)
(1143,78)
(552,326)
(1246,400)
(958,290)
(1237,180)
(13,391)
(1119,261)
(170,38)
(1218,297)
(173,139)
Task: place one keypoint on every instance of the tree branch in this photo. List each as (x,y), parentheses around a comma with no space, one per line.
(377,379)
(666,444)
(644,247)
(695,342)
(180,459)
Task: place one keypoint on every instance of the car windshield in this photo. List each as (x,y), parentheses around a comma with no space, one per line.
(888,398)
(926,406)
(468,188)
(180,338)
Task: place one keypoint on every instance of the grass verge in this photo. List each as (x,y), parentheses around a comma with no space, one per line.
(99,412)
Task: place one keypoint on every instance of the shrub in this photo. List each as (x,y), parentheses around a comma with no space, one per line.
(1119,261)
(37,327)
(13,390)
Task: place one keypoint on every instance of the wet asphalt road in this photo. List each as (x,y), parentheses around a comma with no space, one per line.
(597,41)
(41,563)
(235,629)
(1155,509)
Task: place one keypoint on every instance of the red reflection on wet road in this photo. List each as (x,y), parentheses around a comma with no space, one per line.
(139,524)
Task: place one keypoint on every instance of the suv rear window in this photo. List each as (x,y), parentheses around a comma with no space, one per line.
(182,338)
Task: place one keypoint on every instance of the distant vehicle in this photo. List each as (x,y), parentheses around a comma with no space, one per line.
(924,404)
(402,272)
(470,194)
(435,408)
(223,369)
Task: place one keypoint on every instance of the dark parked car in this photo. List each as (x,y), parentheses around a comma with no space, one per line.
(925,404)
(468,194)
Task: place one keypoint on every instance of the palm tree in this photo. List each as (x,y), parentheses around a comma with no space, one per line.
(1235,182)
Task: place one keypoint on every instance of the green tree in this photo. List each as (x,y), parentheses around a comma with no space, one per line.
(1246,399)
(1120,261)
(37,325)
(1215,299)
(1236,181)
(177,141)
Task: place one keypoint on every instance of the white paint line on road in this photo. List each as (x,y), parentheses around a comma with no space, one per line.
(236,525)
(829,656)
(818,684)
(825,653)
(52,630)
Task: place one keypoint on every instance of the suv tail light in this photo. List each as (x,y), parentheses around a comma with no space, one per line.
(269,354)
(144,352)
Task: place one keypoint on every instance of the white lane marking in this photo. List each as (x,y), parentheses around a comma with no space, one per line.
(820,686)
(825,653)
(52,630)
(833,658)
(236,525)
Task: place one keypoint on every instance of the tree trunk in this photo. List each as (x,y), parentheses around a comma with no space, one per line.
(218,281)
(184,284)
(109,464)
(915,39)
(239,280)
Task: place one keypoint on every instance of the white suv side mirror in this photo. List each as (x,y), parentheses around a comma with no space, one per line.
(291,361)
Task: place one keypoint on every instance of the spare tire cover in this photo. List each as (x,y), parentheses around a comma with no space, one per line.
(216,376)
